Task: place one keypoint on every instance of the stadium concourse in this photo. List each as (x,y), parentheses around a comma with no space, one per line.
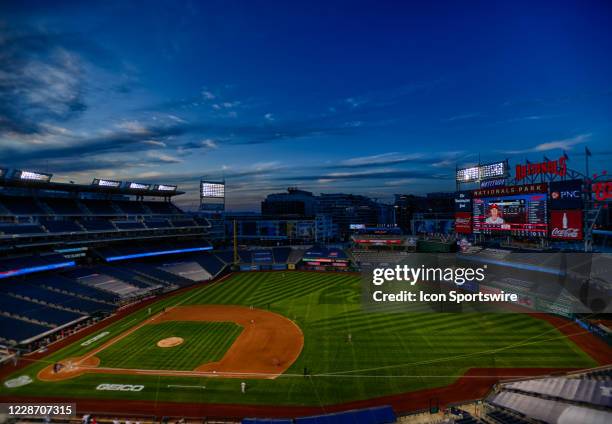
(82,261)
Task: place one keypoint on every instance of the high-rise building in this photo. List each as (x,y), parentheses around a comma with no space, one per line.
(295,202)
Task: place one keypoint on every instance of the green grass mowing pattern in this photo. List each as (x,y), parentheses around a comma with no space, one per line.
(203,342)
(390,353)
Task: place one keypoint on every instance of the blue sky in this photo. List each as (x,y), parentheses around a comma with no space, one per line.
(374,98)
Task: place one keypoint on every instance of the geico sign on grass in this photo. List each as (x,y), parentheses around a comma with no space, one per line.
(120,387)
(95,338)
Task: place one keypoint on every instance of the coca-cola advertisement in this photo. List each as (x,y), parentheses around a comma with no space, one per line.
(566,225)
(463,222)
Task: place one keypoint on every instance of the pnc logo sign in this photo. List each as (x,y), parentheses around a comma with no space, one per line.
(565,195)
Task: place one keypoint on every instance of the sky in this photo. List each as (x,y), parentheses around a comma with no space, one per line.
(372,98)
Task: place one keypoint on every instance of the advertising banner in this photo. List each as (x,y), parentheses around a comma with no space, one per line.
(566,225)
(566,194)
(463,222)
(463,201)
(498,182)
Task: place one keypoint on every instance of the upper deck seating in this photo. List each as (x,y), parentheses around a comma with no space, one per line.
(17,229)
(131,208)
(157,223)
(99,207)
(184,223)
(129,225)
(62,226)
(98,225)
(19,205)
(61,206)
(163,208)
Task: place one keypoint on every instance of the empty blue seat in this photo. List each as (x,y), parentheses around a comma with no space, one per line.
(98,225)
(21,229)
(62,226)
(18,330)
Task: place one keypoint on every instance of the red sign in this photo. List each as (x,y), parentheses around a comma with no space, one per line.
(566,225)
(555,167)
(602,191)
(511,190)
(378,241)
(463,222)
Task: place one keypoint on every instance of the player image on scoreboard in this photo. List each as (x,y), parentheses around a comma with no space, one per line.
(494,217)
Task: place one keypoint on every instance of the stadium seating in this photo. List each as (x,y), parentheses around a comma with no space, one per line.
(61,206)
(160,275)
(162,208)
(131,208)
(125,275)
(245,256)
(21,205)
(21,229)
(226,256)
(98,225)
(281,254)
(62,226)
(13,329)
(34,311)
(100,207)
(378,415)
(109,284)
(378,257)
(262,256)
(211,263)
(129,225)
(72,287)
(183,223)
(159,223)
(51,297)
(502,417)
(187,269)
(295,256)
(22,265)
(572,398)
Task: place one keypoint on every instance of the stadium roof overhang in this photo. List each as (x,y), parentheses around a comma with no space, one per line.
(86,188)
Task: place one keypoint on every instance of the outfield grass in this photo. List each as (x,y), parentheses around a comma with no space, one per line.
(203,342)
(390,353)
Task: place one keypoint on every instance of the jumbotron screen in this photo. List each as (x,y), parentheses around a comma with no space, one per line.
(216,190)
(517,215)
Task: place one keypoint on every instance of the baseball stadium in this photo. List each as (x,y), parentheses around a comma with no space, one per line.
(322,212)
(136,309)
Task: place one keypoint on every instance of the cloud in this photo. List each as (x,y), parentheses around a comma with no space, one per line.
(36,89)
(44,78)
(210,143)
(208,95)
(463,117)
(380,174)
(380,159)
(564,144)
(163,157)
(438,160)
(269,117)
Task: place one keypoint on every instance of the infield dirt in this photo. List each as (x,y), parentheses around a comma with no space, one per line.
(268,344)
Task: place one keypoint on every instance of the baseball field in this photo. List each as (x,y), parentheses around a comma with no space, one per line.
(269,329)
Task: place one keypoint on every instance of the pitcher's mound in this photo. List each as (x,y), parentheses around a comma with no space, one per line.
(170,342)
